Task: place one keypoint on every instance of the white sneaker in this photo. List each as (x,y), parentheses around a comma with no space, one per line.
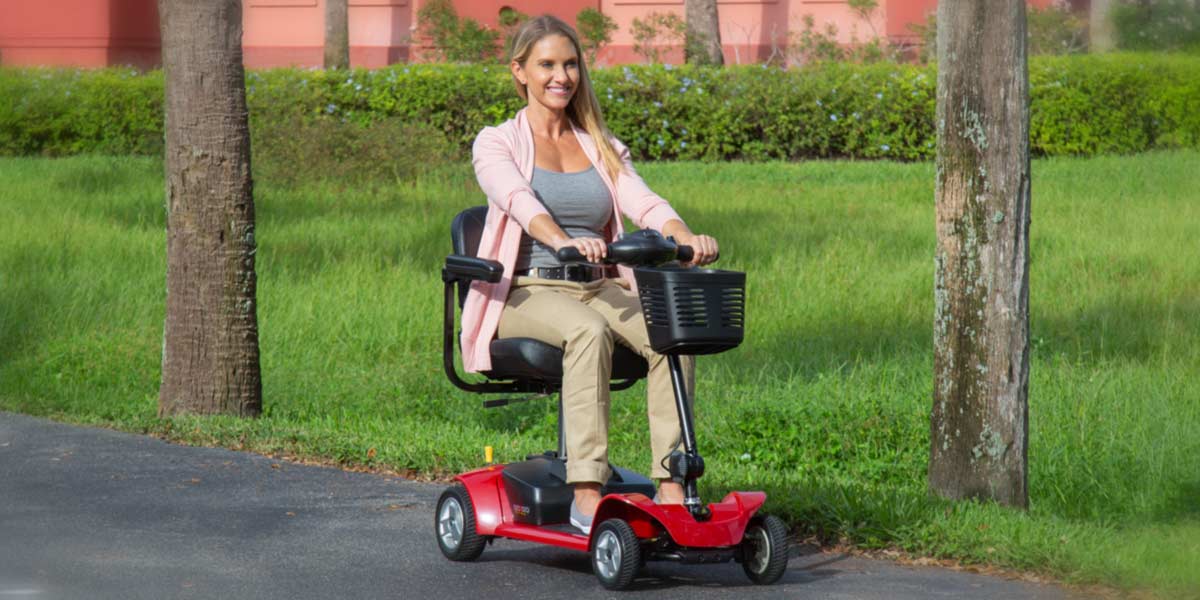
(580,521)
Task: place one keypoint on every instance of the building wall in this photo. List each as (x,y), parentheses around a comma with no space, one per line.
(82,33)
(277,33)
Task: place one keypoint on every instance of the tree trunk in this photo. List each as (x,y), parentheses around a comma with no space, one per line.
(1100,29)
(979,424)
(703,44)
(337,34)
(210,339)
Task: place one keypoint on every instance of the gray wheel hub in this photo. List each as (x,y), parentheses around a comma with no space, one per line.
(450,523)
(608,555)
(760,543)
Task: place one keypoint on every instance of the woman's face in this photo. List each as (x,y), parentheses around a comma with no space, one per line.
(551,73)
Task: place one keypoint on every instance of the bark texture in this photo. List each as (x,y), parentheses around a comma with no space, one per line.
(703,44)
(1100,29)
(210,338)
(337,34)
(979,424)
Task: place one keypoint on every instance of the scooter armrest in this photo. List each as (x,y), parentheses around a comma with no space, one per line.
(470,268)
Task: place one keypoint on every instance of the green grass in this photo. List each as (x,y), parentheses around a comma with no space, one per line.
(825,406)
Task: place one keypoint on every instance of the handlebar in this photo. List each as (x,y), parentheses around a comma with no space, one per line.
(573,255)
(639,248)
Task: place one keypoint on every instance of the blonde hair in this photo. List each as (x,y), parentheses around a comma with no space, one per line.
(583,109)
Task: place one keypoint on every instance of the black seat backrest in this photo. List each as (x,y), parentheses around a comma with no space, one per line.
(465,231)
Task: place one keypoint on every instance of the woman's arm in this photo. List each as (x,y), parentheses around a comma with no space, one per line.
(501,180)
(649,210)
(705,247)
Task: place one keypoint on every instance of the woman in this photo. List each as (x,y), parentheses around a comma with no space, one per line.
(556,178)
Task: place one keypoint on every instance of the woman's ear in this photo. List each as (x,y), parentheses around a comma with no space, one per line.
(518,72)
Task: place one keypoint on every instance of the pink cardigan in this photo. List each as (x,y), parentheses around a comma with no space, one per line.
(503,158)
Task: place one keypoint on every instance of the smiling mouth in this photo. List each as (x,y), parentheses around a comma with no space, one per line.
(562,91)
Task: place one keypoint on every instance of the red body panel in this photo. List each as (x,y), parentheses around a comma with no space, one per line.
(493,516)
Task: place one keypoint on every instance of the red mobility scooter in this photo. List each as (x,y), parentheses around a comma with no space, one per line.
(688,312)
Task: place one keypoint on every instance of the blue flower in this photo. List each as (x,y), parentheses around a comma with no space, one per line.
(683,144)
(358,87)
(879,95)
(657,104)
(885,147)
(832,117)
(819,102)
(668,66)
(666,124)
(330,108)
(660,141)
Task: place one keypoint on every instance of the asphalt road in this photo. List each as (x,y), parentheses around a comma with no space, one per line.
(91,513)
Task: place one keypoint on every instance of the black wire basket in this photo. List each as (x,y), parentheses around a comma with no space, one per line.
(692,311)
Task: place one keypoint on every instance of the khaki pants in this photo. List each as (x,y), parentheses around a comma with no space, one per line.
(585,320)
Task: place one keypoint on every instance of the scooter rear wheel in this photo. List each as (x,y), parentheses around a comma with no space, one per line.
(765,550)
(454,524)
(616,554)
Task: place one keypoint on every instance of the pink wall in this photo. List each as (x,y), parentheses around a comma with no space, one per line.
(83,33)
(291,32)
(278,33)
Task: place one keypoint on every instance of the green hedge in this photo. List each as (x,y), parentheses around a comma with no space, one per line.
(1120,103)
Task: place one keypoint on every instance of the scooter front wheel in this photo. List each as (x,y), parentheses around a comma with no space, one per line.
(454,523)
(616,554)
(765,550)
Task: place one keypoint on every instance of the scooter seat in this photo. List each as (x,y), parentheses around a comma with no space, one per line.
(527,358)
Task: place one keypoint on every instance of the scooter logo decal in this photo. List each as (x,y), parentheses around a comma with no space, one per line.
(520,511)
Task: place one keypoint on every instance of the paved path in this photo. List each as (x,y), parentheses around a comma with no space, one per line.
(92,513)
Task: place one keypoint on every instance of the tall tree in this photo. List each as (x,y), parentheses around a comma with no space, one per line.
(1100,29)
(337,34)
(979,423)
(210,338)
(703,43)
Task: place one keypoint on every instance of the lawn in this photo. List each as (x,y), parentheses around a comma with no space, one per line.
(826,406)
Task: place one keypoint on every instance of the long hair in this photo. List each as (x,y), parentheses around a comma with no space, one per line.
(583,109)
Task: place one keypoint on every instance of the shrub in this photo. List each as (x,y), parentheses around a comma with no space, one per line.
(1113,103)
(1160,25)
(511,20)
(456,39)
(657,34)
(595,30)
(1055,29)
(56,112)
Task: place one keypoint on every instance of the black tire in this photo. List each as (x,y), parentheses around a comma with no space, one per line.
(454,525)
(765,550)
(616,554)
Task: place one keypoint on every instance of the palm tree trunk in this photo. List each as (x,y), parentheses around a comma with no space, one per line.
(979,423)
(703,43)
(210,337)
(337,34)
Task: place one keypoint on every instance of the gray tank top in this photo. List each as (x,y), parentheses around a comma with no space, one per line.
(579,203)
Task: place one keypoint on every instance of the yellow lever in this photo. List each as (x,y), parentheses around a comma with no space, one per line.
(487,454)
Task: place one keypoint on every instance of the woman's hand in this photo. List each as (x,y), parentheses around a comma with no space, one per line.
(704,247)
(593,249)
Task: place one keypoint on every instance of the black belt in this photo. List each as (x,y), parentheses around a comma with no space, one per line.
(580,273)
